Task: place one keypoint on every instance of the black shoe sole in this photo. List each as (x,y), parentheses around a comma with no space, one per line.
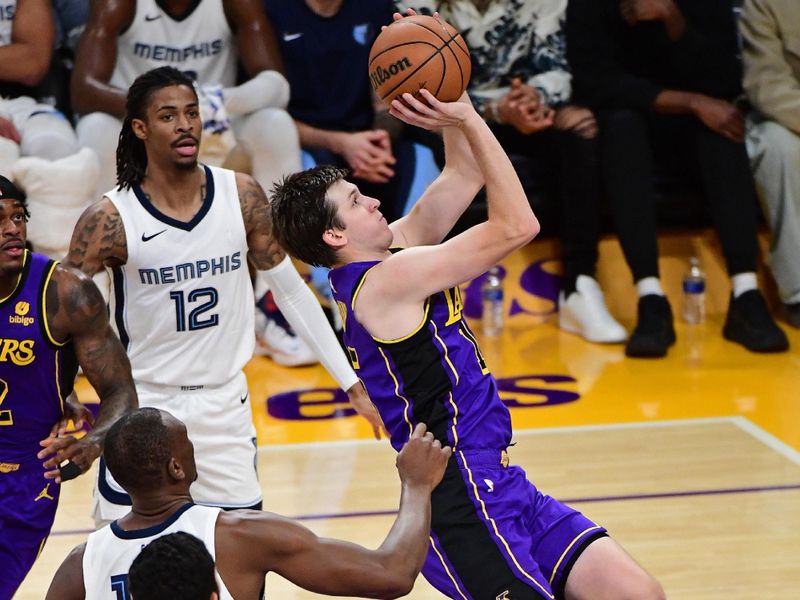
(776,348)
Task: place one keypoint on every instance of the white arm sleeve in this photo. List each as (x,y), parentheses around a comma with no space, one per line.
(304,313)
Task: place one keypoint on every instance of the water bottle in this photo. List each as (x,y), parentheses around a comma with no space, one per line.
(492,297)
(694,293)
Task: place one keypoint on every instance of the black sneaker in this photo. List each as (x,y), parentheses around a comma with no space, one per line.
(750,324)
(654,332)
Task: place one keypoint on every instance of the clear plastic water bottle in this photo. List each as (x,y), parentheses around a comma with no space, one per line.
(492,297)
(694,293)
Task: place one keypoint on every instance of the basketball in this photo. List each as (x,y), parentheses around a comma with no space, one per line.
(419,52)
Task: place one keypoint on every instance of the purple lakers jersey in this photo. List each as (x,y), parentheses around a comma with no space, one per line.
(36,372)
(435,375)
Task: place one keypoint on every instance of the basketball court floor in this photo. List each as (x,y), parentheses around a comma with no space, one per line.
(691,462)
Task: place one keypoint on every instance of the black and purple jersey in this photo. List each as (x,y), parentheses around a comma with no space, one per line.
(36,372)
(36,375)
(435,375)
(493,534)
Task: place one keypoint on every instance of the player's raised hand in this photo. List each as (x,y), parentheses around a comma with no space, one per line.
(424,110)
(422,460)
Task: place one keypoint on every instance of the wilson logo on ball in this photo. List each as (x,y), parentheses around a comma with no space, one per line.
(419,52)
(381,75)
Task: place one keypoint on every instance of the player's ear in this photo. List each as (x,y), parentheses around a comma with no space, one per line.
(139,128)
(334,238)
(176,470)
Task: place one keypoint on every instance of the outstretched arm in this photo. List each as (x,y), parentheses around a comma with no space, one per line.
(425,270)
(335,567)
(295,299)
(68,583)
(77,312)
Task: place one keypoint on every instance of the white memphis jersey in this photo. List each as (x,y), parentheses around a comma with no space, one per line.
(110,551)
(182,304)
(199,43)
(8,8)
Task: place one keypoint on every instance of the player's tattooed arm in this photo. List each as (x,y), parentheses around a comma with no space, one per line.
(76,312)
(98,239)
(264,250)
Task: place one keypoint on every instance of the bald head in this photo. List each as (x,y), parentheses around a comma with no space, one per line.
(143,448)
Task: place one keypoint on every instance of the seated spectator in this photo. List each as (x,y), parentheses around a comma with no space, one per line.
(57,178)
(667,69)
(771,33)
(325,47)
(206,39)
(521,85)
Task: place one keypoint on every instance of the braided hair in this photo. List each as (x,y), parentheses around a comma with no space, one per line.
(131,154)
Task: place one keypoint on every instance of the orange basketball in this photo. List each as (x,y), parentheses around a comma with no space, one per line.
(419,52)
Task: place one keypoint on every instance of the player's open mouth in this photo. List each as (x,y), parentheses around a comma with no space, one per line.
(186,147)
(13,248)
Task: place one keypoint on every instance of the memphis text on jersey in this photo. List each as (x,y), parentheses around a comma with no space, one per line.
(191,270)
(172,54)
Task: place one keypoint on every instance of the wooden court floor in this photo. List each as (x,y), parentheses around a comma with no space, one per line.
(691,462)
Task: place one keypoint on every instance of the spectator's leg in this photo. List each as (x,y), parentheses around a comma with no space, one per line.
(100,132)
(627,170)
(269,137)
(582,309)
(775,159)
(728,186)
(731,193)
(48,135)
(268,89)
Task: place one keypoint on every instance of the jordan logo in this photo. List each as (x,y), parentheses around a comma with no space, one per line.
(44,494)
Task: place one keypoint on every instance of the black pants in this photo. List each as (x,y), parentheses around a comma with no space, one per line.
(628,142)
(565,165)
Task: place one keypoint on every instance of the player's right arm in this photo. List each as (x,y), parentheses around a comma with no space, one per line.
(98,240)
(425,270)
(96,57)
(68,583)
(334,567)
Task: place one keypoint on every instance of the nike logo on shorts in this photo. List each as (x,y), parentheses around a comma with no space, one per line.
(149,18)
(147,238)
(290,37)
(244,399)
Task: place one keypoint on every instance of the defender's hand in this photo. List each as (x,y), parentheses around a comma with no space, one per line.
(66,451)
(422,460)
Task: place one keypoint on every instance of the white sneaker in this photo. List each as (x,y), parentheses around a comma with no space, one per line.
(585,313)
(280,345)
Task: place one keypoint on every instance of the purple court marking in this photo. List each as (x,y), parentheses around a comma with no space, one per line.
(387,513)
